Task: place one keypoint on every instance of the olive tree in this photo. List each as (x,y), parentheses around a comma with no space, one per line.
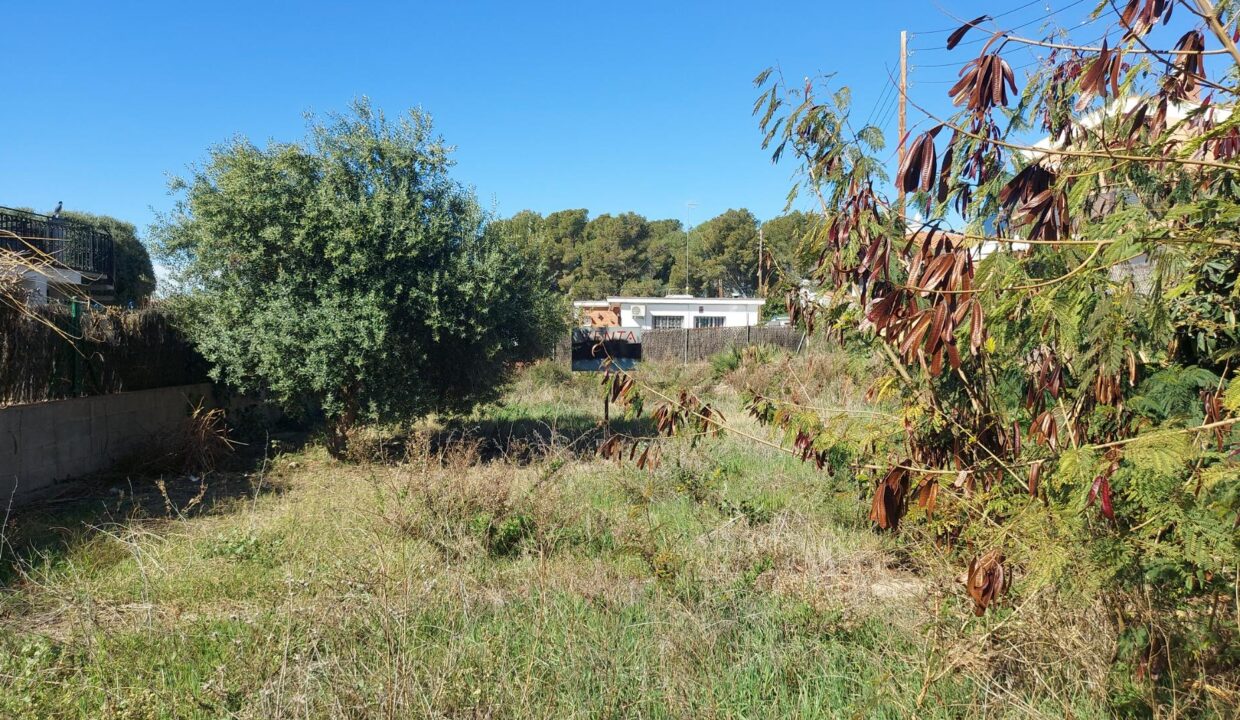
(350,275)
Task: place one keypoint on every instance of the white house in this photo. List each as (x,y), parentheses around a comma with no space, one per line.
(671,312)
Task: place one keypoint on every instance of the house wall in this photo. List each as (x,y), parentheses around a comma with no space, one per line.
(43,443)
(733,314)
(35,286)
(47,283)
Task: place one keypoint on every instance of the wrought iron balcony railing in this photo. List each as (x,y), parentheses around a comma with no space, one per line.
(68,243)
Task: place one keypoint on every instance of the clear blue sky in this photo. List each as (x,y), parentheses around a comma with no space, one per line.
(608,106)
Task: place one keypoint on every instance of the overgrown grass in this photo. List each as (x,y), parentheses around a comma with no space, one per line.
(500,570)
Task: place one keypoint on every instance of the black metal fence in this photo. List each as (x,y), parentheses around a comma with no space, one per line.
(69,243)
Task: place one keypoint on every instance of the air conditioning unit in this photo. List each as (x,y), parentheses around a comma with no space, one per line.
(639,311)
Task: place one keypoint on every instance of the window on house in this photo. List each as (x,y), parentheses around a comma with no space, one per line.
(706,321)
(669,322)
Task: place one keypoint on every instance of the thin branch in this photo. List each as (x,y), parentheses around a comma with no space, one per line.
(1030,149)
(1087,48)
(1163,433)
(1210,14)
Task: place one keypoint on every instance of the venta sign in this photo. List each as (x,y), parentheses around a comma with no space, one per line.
(592,346)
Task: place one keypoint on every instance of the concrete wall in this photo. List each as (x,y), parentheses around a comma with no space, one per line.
(46,442)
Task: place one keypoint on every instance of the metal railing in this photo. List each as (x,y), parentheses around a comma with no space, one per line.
(70,244)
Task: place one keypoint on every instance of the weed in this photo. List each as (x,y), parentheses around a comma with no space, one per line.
(244,547)
(455,581)
(503,537)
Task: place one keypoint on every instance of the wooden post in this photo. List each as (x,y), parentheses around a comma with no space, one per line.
(902,123)
(607,417)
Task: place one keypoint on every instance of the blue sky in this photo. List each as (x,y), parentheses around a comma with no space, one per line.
(608,106)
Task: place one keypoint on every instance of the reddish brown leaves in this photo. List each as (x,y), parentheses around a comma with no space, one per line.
(1189,65)
(1212,402)
(1101,488)
(688,411)
(619,385)
(917,170)
(1140,16)
(1045,430)
(928,495)
(985,580)
(1035,477)
(958,34)
(612,448)
(1227,145)
(942,272)
(1045,380)
(1033,199)
(890,499)
(1105,71)
(984,84)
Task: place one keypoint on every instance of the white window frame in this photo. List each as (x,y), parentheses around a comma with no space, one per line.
(657,322)
(717,321)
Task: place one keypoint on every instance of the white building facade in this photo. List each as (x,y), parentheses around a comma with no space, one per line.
(673,312)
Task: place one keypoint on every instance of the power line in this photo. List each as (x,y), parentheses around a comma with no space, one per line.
(882,98)
(1021,46)
(1008,31)
(993,17)
(1041,18)
(888,111)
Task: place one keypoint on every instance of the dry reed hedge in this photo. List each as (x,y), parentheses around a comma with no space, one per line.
(45,355)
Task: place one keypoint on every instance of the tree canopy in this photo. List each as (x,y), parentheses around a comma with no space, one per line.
(349,274)
(591,257)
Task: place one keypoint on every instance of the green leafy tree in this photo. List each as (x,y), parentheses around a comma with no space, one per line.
(351,275)
(526,230)
(788,241)
(610,255)
(134,279)
(724,253)
(667,242)
(564,232)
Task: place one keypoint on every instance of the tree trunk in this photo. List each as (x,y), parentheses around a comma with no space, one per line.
(340,427)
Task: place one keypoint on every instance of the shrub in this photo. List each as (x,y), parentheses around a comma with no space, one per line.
(351,276)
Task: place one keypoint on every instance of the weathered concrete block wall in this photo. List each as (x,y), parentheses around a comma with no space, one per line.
(42,443)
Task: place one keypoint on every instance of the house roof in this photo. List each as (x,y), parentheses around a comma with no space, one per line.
(669,300)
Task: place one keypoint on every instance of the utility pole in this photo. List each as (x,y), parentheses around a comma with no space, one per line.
(903,118)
